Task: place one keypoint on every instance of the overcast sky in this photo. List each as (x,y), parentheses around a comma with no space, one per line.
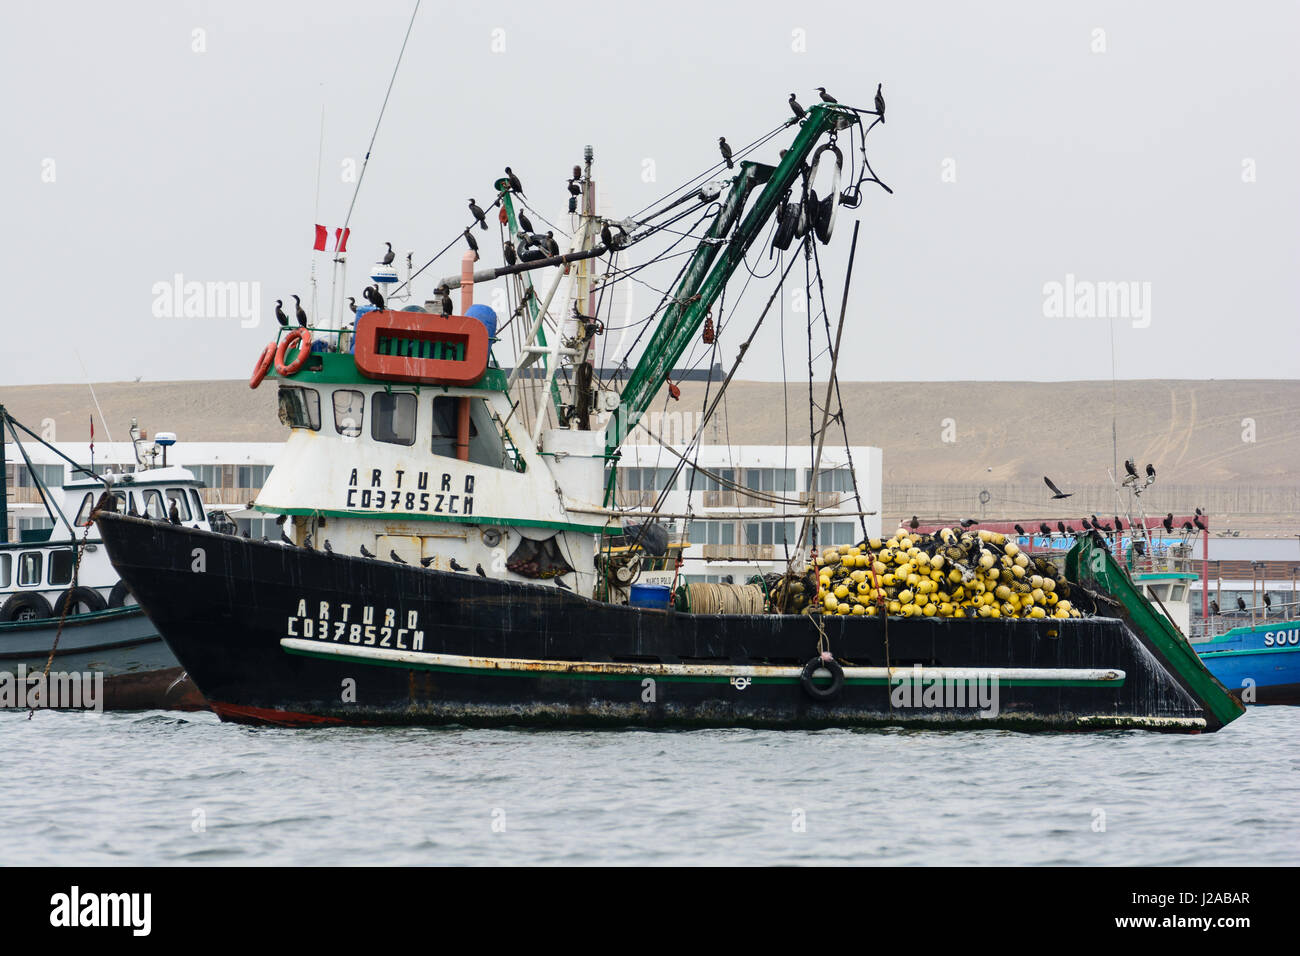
(1154,143)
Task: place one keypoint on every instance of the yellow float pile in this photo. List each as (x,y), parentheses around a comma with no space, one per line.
(951,573)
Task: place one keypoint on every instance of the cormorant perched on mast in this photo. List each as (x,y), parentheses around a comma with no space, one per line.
(373,296)
(473,243)
(279,313)
(574,188)
(478,214)
(880,103)
(352,305)
(515,185)
(826,97)
(302,315)
(389,256)
(796,109)
(511,256)
(551,245)
(726,151)
(524,222)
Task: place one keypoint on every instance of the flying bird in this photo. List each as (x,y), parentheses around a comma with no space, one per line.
(365,553)
(880,103)
(1056,492)
(279,313)
(397,558)
(478,214)
(515,185)
(389,256)
(826,97)
(796,109)
(726,151)
(298,311)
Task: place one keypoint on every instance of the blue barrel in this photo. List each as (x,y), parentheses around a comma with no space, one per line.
(486,315)
(651,595)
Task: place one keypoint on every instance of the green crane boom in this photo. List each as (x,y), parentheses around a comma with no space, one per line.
(700,287)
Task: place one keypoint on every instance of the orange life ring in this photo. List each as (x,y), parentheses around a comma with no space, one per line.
(303,338)
(263,365)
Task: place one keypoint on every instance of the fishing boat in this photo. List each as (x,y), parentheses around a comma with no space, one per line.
(458,554)
(1258,663)
(65,610)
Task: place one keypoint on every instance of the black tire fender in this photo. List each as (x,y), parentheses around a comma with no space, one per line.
(117,597)
(35,606)
(91,598)
(815,691)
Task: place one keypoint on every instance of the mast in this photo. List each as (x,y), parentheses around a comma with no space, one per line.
(700,287)
(4,482)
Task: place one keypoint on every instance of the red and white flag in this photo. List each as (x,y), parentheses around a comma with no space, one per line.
(340,239)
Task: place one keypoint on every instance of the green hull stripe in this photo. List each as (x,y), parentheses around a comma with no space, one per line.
(1259,650)
(449,519)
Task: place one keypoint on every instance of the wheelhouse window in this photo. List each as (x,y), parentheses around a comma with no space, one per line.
(153,504)
(6,569)
(487,446)
(198,503)
(392,417)
(300,407)
(29,569)
(349,412)
(61,566)
(177,497)
(83,513)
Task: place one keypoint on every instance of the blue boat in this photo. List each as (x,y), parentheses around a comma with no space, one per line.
(1257,663)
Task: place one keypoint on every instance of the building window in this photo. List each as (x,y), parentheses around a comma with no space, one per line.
(770,479)
(771,532)
(836,533)
(50,476)
(392,417)
(702,481)
(647,479)
(832,479)
(300,407)
(712,532)
(349,412)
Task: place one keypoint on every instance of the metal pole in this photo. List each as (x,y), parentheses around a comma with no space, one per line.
(4,482)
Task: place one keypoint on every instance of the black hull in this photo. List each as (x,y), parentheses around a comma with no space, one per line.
(482,651)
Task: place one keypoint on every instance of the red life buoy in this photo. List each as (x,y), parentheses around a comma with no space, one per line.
(303,338)
(263,365)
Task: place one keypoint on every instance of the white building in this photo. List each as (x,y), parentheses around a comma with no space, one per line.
(742,508)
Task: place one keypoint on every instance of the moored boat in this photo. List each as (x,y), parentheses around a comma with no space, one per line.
(449,553)
(1258,663)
